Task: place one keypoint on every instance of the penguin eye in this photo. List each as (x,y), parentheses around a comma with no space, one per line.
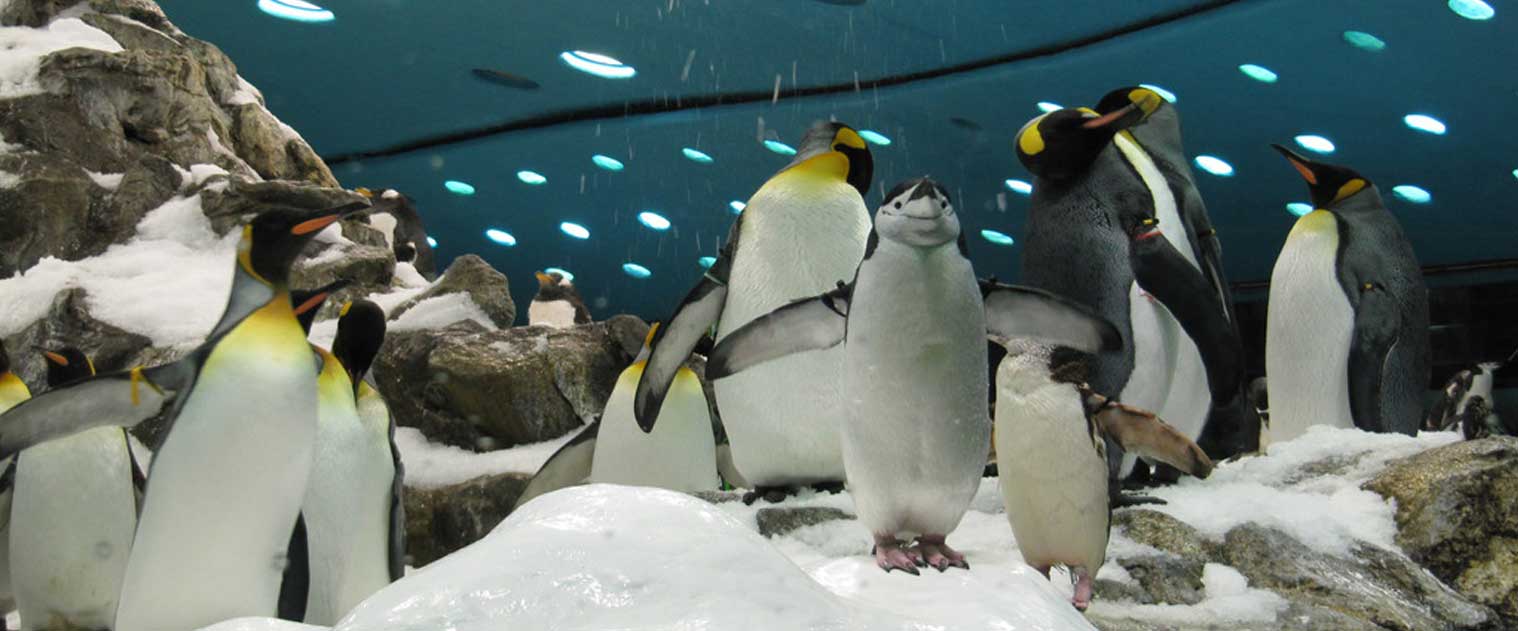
(898,205)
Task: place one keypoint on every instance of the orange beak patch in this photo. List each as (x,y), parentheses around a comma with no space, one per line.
(312,225)
(1307,174)
(1103,121)
(56,358)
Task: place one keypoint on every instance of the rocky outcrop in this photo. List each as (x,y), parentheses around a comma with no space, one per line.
(1457,515)
(441,520)
(466,386)
(69,322)
(470,274)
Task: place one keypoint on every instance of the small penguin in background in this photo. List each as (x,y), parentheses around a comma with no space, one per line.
(558,303)
(1467,401)
(12,391)
(1052,432)
(395,215)
(1259,399)
(913,325)
(72,517)
(1346,333)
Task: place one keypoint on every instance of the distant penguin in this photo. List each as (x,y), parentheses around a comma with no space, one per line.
(395,216)
(226,482)
(1052,433)
(1346,334)
(1464,387)
(558,303)
(913,326)
(801,233)
(72,519)
(1259,399)
(12,391)
(1094,187)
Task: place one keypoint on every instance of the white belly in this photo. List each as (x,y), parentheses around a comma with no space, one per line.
(782,417)
(1168,376)
(72,519)
(347,511)
(1308,328)
(223,492)
(554,313)
(680,454)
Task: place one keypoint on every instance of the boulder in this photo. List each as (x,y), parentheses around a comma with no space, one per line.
(1457,515)
(444,519)
(471,275)
(69,323)
(1163,532)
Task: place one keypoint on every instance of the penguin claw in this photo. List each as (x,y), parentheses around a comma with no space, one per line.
(890,555)
(939,555)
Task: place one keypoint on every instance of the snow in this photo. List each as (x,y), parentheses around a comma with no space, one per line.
(246,94)
(261,624)
(407,276)
(108,181)
(440,311)
(390,193)
(25,47)
(430,465)
(1227,599)
(9,180)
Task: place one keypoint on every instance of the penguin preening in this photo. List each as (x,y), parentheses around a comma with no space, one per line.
(1346,336)
(72,517)
(802,232)
(912,326)
(1052,432)
(226,482)
(558,303)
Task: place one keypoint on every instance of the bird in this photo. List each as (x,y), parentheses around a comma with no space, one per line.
(558,303)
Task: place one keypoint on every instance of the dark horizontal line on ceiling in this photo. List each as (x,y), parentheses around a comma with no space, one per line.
(663,105)
(1428,270)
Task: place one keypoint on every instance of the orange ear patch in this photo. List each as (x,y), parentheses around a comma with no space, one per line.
(312,225)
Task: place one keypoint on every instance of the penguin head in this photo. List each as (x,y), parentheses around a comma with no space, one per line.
(308,301)
(553,286)
(837,138)
(1062,144)
(275,237)
(66,365)
(1135,101)
(1329,184)
(360,331)
(918,213)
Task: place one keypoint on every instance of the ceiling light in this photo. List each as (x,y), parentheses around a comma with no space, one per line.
(1019,186)
(574,230)
(297,10)
(531,177)
(1258,73)
(501,236)
(1215,166)
(607,162)
(779,147)
(1299,208)
(1412,194)
(636,271)
(999,238)
(653,220)
(461,188)
(1316,143)
(1424,122)
(874,137)
(597,64)
(696,156)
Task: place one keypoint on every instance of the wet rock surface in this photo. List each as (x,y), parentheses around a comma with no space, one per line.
(444,519)
(470,274)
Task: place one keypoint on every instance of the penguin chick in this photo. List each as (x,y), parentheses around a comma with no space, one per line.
(1051,432)
(558,303)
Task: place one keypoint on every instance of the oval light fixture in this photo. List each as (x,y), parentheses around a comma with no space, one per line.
(560,271)
(531,177)
(297,10)
(1312,142)
(636,271)
(1515,173)
(1424,123)
(780,147)
(696,155)
(1410,193)
(597,64)
(1364,41)
(874,137)
(1214,165)
(500,236)
(431,242)
(999,238)
(1258,73)
(736,206)
(1046,107)
(607,162)
(1019,186)
(707,261)
(574,230)
(1472,9)
(458,188)
(653,220)
(1299,208)
(1164,94)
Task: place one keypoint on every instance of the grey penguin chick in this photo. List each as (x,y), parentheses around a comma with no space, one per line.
(913,325)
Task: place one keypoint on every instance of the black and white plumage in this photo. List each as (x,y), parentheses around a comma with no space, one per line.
(1466,400)
(558,303)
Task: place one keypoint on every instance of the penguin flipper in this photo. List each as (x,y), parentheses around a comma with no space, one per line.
(1377,323)
(808,324)
(1016,311)
(673,342)
(295,584)
(1144,434)
(397,511)
(122,399)
(1162,271)
(568,466)
(139,477)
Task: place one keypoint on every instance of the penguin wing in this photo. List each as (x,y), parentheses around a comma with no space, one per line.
(673,342)
(122,399)
(1162,271)
(397,510)
(1016,311)
(1441,414)
(568,466)
(1377,324)
(7,484)
(295,581)
(808,324)
(1146,435)
(139,477)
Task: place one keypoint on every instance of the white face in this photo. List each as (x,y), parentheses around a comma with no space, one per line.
(922,216)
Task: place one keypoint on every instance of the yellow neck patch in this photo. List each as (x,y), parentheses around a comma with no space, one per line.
(648,340)
(1317,222)
(1147,100)
(848,138)
(245,255)
(1350,188)
(831,165)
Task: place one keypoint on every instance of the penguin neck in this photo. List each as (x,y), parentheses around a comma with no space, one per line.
(12,390)
(249,294)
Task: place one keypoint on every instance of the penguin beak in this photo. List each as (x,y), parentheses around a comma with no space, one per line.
(321,295)
(52,357)
(1118,120)
(1301,164)
(328,217)
(544,280)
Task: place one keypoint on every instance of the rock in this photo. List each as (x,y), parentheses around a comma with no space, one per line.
(470,274)
(1163,532)
(779,521)
(1457,515)
(69,323)
(1166,578)
(441,520)
(240,198)
(462,385)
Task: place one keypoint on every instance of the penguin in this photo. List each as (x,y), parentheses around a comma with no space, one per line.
(569,465)
(1052,432)
(72,517)
(12,391)
(801,232)
(395,216)
(227,479)
(1096,192)
(1464,387)
(1259,399)
(1346,325)
(912,325)
(557,304)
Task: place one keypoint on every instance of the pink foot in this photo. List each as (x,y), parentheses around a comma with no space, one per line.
(1082,597)
(938,554)
(890,555)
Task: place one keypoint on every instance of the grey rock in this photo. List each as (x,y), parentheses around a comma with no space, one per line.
(69,323)
(471,275)
(629,331)
(442,520)
(1163,532)
(368,267)
(1166,579)
(230,206)
(774,522)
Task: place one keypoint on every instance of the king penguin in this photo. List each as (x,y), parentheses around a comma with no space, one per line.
(800,234)
(1093,187)
(557,304)
(12,391)
(72,518)
(1052,432)
(913,326)
(226,482)
(1346,326)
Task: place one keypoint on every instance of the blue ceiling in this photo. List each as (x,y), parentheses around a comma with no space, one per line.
(391,74)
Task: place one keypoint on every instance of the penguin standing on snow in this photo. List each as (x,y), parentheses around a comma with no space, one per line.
(558,303)
(72,517)
(913,326)
(1346,333)
(226,482)
(1052,431)
(802,232)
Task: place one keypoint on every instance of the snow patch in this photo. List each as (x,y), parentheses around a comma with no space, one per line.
(1228,599)
(440,311)
(107,181)
(261,624)
(390,193)
(246,94)
(431,465)
(407,276)
(9,180)
(25,47)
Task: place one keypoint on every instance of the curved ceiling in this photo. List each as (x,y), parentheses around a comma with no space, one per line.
(390,73)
